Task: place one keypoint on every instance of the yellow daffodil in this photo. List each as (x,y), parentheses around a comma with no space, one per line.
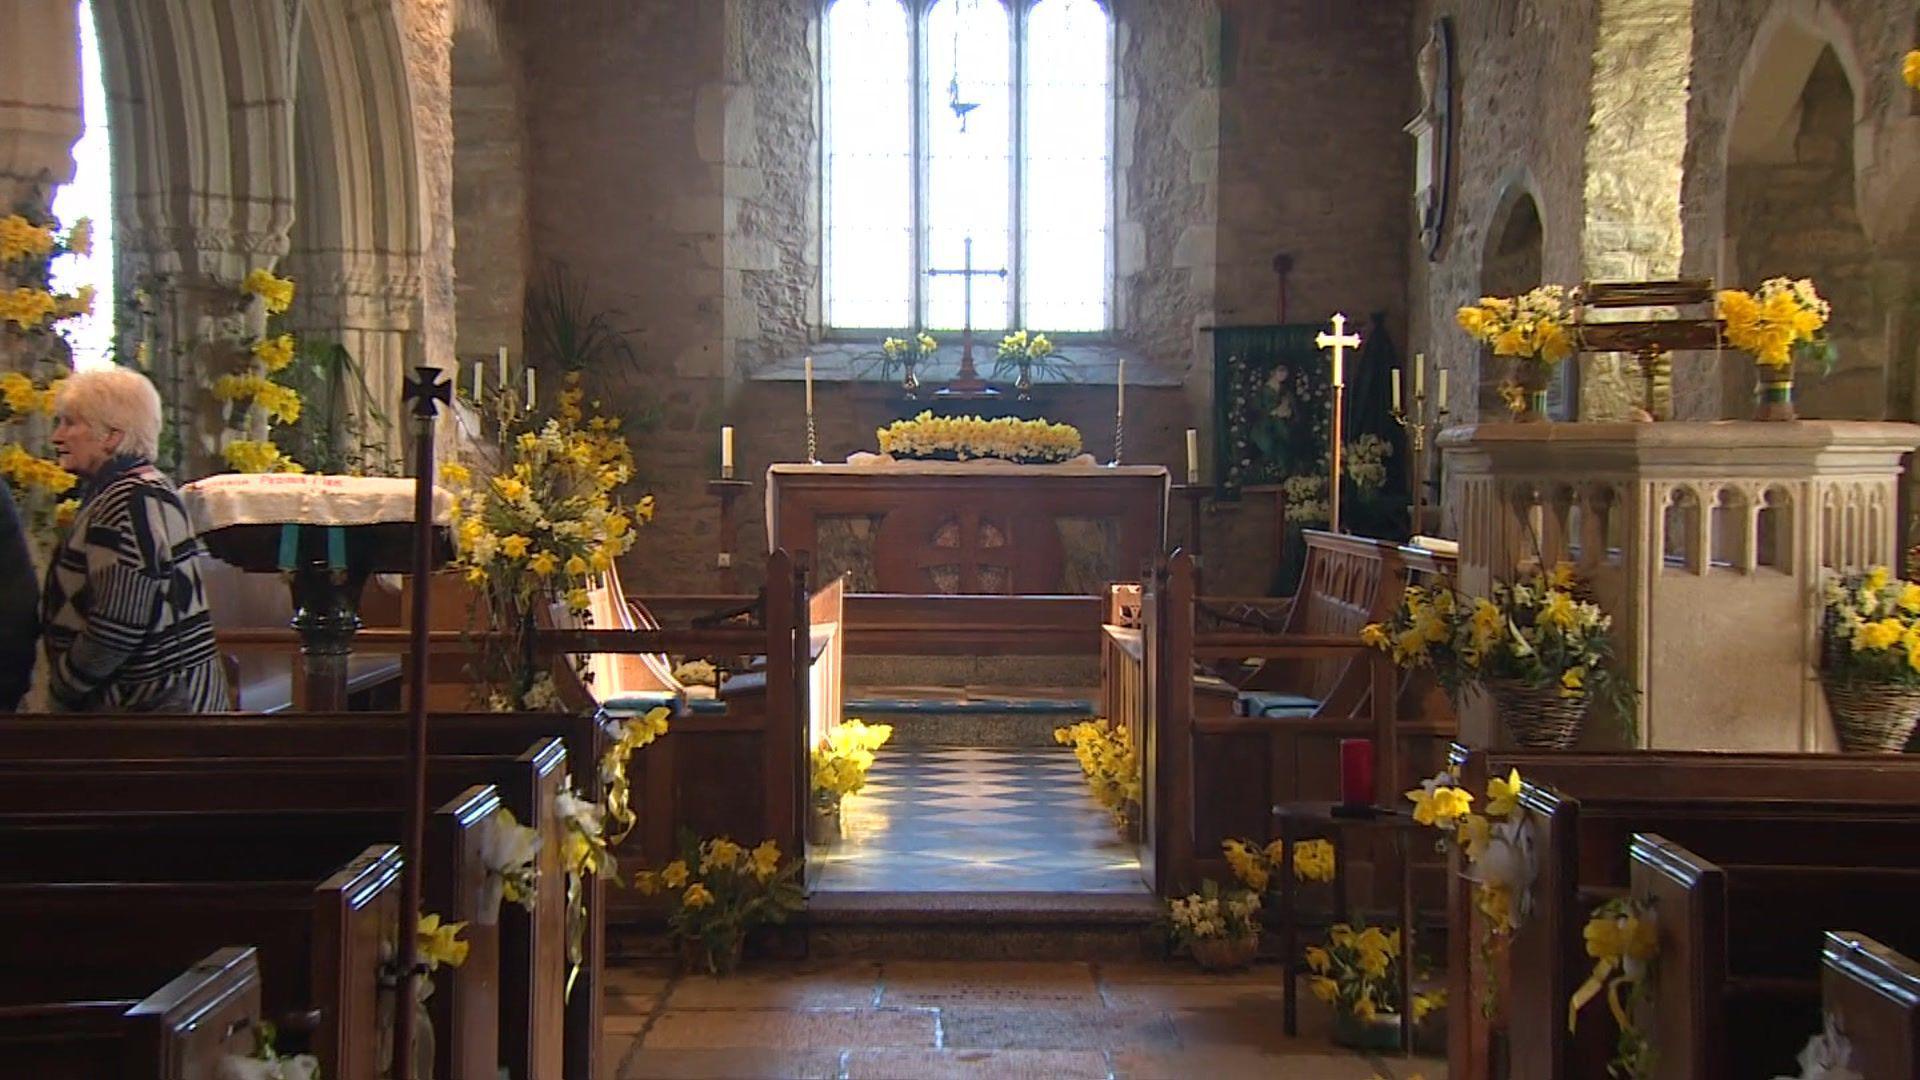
(1324,989)
(274,353)
(1317,960)
(696,897)
(1573,682)
(675,874)
(543,563)
(647,882)
(1441,804)
(765,860)
(438,943)
(514,546)
(20,238)
(1503,794)
(1910,69)
(276,291)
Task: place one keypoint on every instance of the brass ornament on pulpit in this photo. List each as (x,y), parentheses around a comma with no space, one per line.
(1651,341)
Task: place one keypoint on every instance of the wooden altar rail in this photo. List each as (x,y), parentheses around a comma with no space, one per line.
(915,625)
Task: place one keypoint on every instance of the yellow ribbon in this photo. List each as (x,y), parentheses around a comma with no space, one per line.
(1590,989)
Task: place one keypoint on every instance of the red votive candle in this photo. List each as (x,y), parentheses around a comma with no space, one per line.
(1356,772)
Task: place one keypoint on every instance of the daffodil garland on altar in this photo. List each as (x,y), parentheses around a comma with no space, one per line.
(253,399)
(967,438)
(33,357)
(1497,847)
(540,532)
(1622,936)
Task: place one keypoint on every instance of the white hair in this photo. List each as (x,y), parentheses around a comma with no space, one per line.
(114,399)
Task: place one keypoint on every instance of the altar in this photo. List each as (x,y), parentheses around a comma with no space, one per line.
(969,528)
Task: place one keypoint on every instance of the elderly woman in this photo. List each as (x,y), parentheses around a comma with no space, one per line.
(123,613)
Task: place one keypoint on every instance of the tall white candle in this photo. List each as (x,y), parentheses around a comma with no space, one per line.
(1443,389)
(479,379)
(1398,404)
(1419,374)
(453,371)
(1120,388)
(529,389)
(1193,456)
(503,367)
(809,385)
(726,450)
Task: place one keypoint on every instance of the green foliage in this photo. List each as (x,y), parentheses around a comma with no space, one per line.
(341,421)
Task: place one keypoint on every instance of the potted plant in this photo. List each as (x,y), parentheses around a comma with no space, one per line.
(840,763)
(1538,645)
(1533,332)
(719,891)
(1870,659)
(1112,767)
(1220,931)
(1784,321)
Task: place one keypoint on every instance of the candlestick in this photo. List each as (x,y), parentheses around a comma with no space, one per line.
(1397,402)
(503,367)
(529,389)
(726,452)
(1193,456)
(809,369)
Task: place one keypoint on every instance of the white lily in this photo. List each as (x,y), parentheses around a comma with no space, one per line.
(510,851)
(1510,861)
(1827,1056)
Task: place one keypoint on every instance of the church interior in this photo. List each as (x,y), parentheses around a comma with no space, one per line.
(589,539)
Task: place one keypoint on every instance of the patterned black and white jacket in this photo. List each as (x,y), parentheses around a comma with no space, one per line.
(124,612)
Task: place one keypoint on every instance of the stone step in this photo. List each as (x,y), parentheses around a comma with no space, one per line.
(896,670)
(960,716)
(984,926)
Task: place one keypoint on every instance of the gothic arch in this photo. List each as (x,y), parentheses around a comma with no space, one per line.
(1512,261)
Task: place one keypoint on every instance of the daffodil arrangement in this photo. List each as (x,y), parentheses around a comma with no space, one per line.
(583,853)
(909,350)
(511,853)
(1025,351)
(1259,868)
(841,760)
(538,533)
(1540,632)
(266,1062)
(253,397)
(1784,321)
(1496,844)
(1870,629)
(966,438)
(1199,922)
(1910,69)
(32,314)
(1623,939)
(1111,764)
(719,891)
(1357,971)
(1535,327)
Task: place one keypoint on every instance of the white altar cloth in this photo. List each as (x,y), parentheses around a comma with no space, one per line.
(293,498)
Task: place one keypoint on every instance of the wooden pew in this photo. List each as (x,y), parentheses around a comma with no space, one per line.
(1587,806)
(1874,992)
(1736,992)
(134,845)
(182,1029)
(319,944)
(516,970)
(78,738)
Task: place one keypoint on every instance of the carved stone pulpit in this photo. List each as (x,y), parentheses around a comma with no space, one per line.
(1706,543)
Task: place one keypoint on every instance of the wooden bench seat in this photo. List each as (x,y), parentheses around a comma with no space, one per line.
(1737,991)
(119,1028)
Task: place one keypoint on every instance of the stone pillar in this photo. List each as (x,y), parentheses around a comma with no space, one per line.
(1706,543)
(39,96)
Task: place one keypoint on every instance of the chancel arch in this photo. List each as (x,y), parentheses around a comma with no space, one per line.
(1511,264)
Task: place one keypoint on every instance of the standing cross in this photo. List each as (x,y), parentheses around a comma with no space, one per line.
(968,382)
(1339,341)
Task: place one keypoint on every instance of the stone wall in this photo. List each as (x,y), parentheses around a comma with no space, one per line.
(491,246)
(673,164)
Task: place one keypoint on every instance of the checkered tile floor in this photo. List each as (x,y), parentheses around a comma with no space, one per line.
(976,819)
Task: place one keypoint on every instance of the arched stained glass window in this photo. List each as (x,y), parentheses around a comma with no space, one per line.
(950,121)
(90,195)
(868,53)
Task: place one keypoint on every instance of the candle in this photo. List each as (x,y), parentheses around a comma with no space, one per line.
(1193,456)
(1443,389)
(529,389)
(503,367)
(809,386)
(454,371)
(1356,772)
(479,379)
(1120,388)
(1398,405)
(726,452)
(1419,375)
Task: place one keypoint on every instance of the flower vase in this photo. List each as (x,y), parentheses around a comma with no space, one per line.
(1773,393)
(823,823)
(1532,377)
(699,957)
(909,382)
(1538,717)
(1871,718)
(1024,384)
(1225,954)
(1380,1032)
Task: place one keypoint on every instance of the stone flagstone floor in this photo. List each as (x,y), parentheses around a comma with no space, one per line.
(1006,1020)
(976,819)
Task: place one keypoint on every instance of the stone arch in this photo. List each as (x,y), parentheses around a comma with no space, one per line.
(1512,261)
(1794,156)
(357,241)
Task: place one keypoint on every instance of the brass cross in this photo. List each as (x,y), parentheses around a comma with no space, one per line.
(1339,341)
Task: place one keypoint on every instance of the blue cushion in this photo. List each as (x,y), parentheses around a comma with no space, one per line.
(637,704)
(744,683)
(706,706)
(1276,703)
